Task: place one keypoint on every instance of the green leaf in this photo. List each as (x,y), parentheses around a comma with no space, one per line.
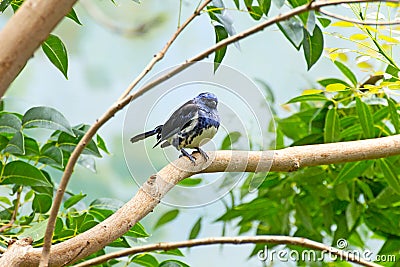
(31,147)
(392,70)
(37,230)
(175,252)
(390,174)
(229,140)
(391,246)
(265,5)
(3,142)
(5,200)
(4,4)
(173,263)
(68,142)
(51,155)
(72,15)
(73,200)
(41,203)
(248,3)
(387,198)
(46,117)
(305,98)
(328,81)
(324,22)
(394,115)
(332,126)
(220,34)
(55,51)
(101,144)
(292,29)
(195,229)
(190,181)
(137,231)
(347,72)
(313,46)
(353,213)
(335,87)
(146,260)
(166,218)
(237,4)
(16,145)
(317,138)
(352,170)
(22,173)
(9,123)
(304,15)
(364,114)
(255,12)
(342,192)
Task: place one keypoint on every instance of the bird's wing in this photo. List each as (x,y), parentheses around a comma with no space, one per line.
(179,119)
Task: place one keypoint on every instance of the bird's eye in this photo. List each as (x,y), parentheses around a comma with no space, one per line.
(212,103)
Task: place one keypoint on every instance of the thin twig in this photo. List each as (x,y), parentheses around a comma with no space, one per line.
(356,21)
(287,240)
(126,98)
(15,212)
(162,52)
(92,131)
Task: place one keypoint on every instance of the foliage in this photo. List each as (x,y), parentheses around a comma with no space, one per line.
(352,201)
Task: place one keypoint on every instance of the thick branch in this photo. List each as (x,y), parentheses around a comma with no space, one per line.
(287,240)
(24,33)
(150,194)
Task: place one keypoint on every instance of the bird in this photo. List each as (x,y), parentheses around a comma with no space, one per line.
(190,126)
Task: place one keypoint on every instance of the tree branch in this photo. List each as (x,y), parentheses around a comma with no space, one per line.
(125,98)
(356,21)
(122,102)
(15,212)
(24,33)
(287,240)
(161,54)
(155,188)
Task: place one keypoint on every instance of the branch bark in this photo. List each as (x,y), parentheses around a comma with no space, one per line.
(24,33)
(152,191)
(288,240)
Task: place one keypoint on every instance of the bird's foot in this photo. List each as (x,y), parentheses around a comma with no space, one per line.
(203,153)
(186,154)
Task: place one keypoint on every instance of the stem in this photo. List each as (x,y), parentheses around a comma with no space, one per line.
(15,212)
(122,102)
(287,240)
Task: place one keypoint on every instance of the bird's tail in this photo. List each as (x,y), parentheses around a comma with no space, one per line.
(142,136)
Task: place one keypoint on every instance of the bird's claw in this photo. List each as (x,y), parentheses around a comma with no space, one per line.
(186,154)
(203,153)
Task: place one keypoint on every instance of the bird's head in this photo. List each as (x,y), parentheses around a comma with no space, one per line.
(208,99)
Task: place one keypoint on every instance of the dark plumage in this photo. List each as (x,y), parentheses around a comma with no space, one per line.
(190,126)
